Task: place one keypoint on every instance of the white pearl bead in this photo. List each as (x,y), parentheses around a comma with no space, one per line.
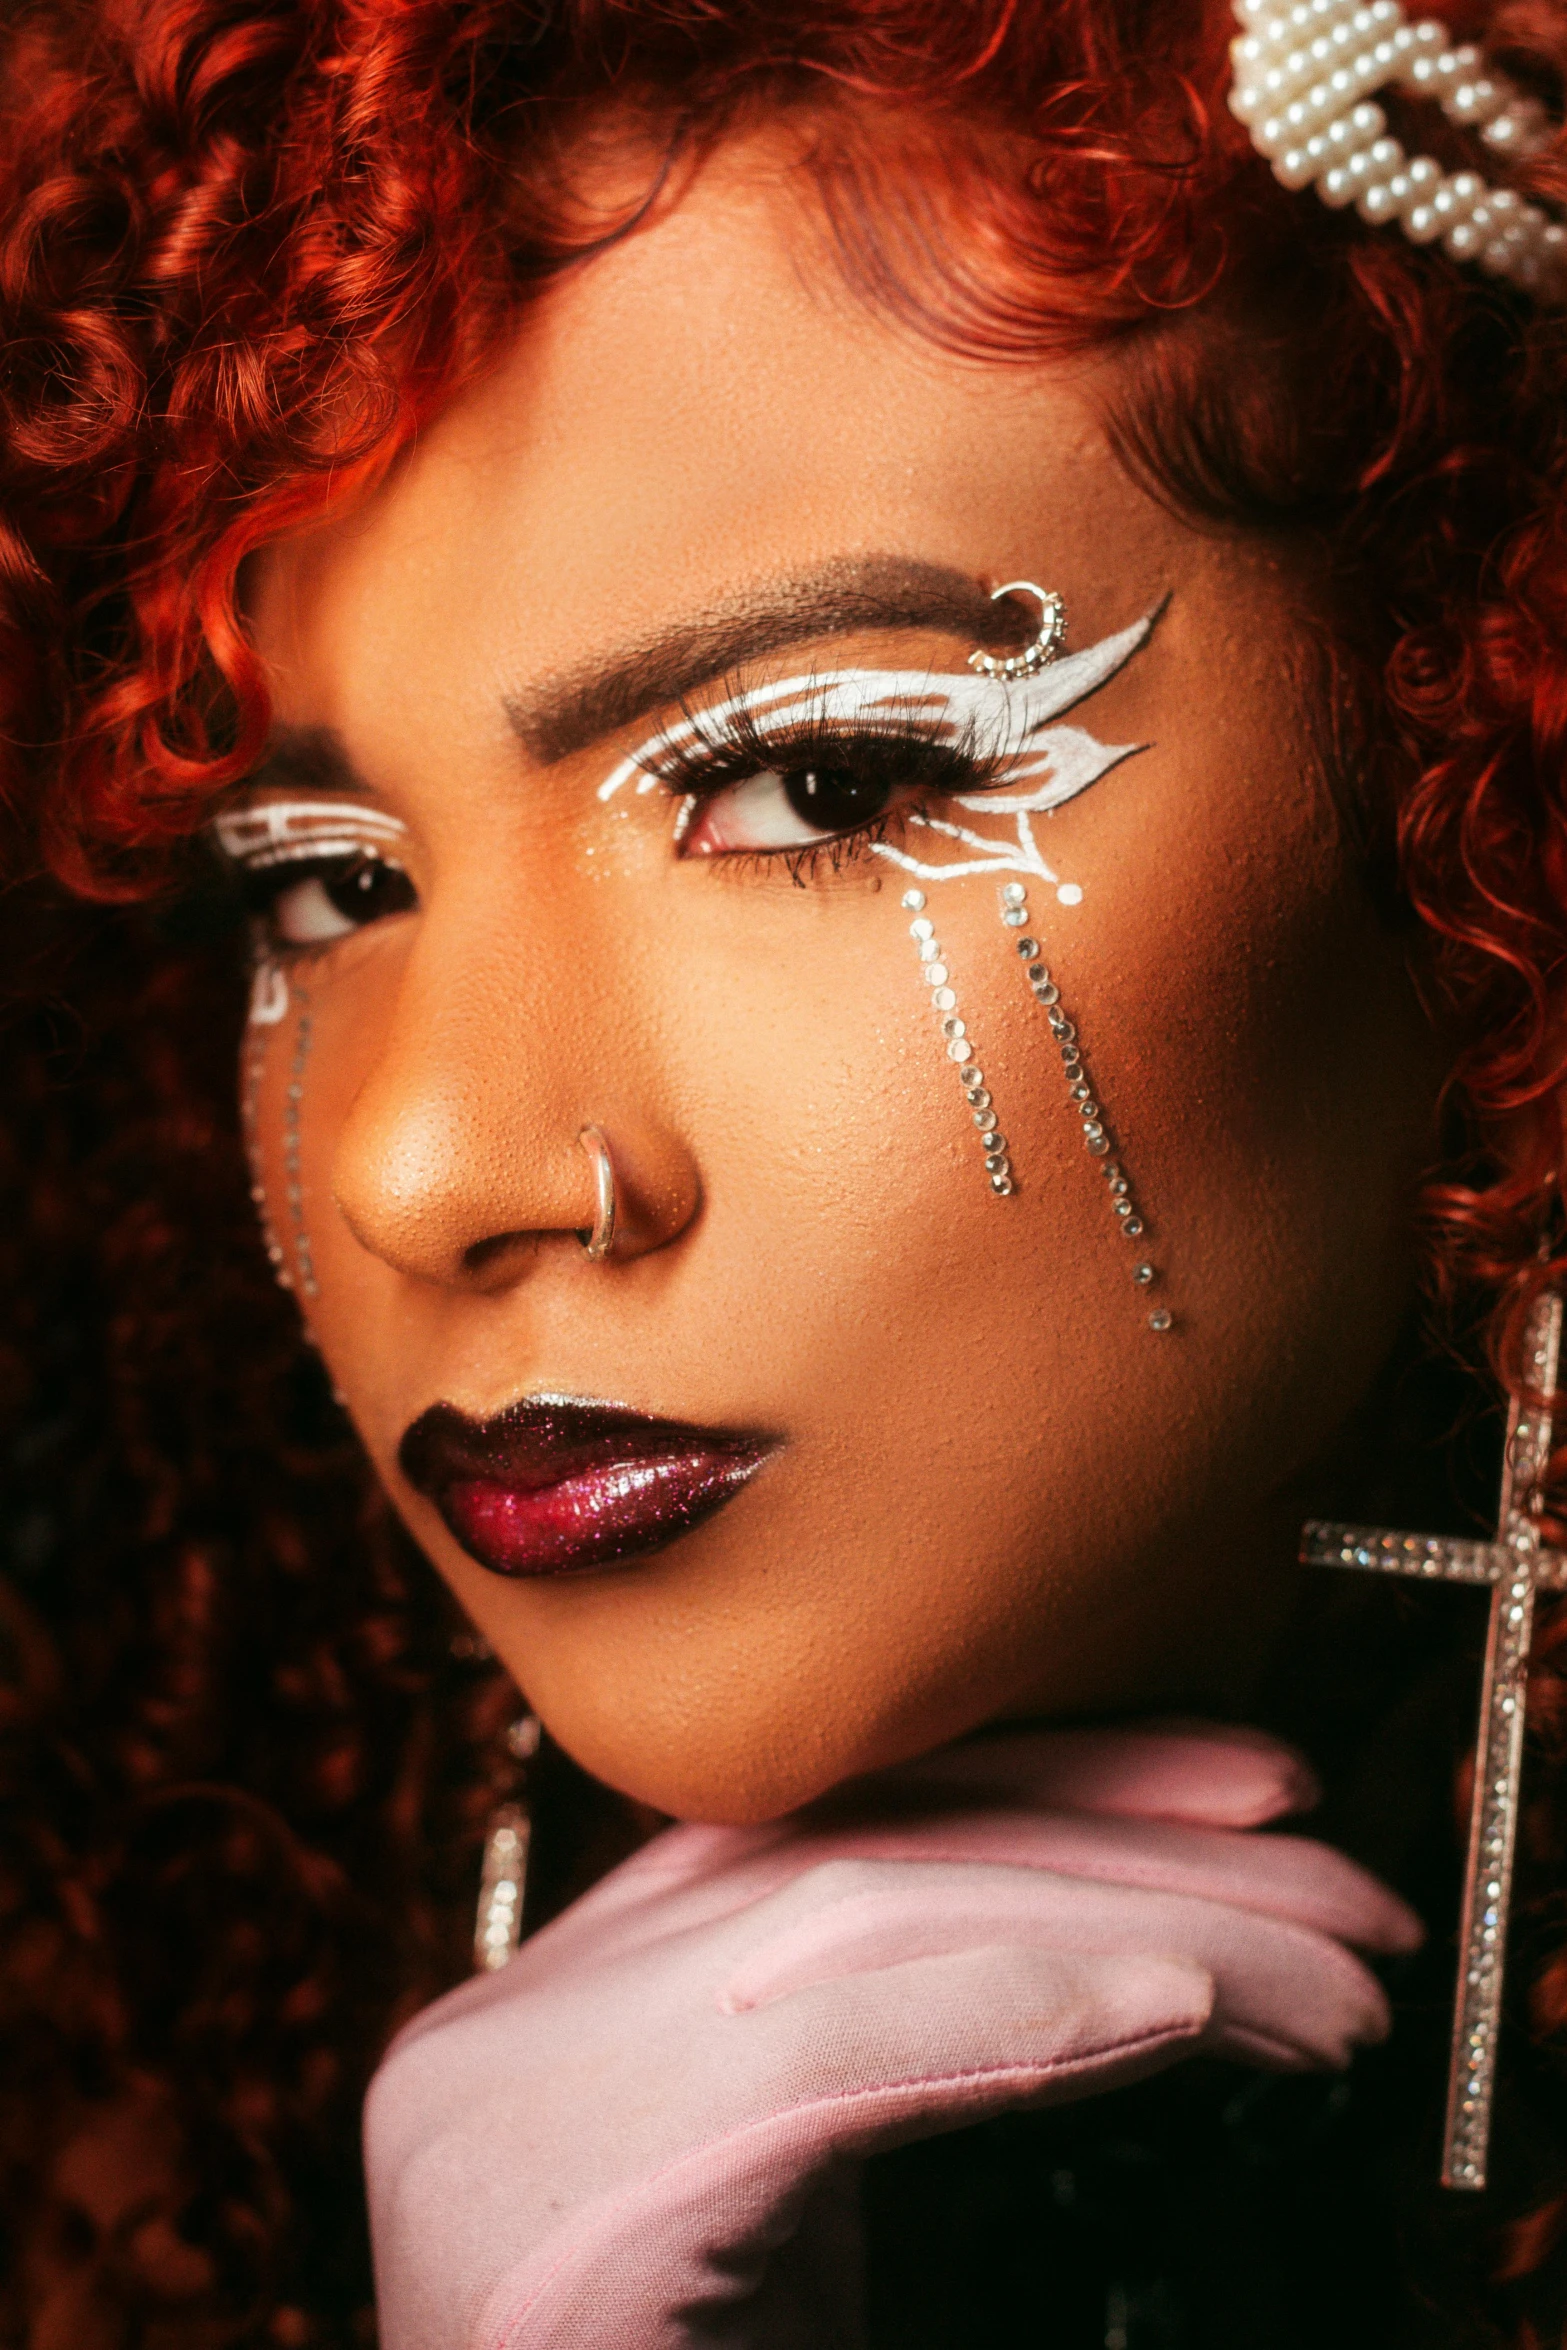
(1376,204)
(1296,169)
(1474,102)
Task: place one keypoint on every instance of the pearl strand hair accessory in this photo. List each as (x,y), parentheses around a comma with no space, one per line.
(1305,79)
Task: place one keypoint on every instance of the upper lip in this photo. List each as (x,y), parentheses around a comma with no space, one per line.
(544,1438)
(544,1441)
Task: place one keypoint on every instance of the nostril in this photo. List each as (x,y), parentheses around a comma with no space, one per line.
(483,1255)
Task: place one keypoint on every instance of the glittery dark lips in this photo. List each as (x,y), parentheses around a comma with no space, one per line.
(551,1486)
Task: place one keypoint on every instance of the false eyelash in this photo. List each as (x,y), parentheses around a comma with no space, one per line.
(697,766)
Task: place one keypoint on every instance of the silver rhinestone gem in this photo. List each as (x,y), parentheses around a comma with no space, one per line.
(1161,1318)
(985,1120)
(995,1142)
(1133,1228)
(923,928)
(914,899)
(973,1078)
(1028,948)
(978,1098)
(1098,1145)
(944,999)
(1014,917)
(1013,893)
(1001,1185)
(1039,974)
(930,952)
(936,975)
(1142,1275)
(957,1050)
(1049,994)
(953,1028)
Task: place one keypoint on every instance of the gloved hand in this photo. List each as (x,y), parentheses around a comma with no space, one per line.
(643,2132)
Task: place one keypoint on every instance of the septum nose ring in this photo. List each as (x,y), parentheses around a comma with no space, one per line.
(598,1243)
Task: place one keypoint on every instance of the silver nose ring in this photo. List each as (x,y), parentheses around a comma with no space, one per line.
(598,1243)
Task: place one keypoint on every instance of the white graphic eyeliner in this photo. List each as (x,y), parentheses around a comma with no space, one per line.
(1006,722)
(285,832)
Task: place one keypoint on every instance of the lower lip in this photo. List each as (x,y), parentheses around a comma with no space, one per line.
(595,1518)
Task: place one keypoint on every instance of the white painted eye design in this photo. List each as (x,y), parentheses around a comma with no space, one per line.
(313,871)
(852,756)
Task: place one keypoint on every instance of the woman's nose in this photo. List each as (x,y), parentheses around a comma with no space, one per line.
(462,1150)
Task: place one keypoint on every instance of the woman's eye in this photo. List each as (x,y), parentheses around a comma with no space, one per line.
(786,808)
(338,898)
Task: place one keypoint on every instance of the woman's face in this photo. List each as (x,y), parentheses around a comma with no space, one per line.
(933,1465)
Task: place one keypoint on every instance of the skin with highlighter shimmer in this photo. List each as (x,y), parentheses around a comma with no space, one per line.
(975,1485)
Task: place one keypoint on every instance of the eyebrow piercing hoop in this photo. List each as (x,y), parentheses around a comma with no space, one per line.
(1046,645)
(597,1243)
(1080,1094)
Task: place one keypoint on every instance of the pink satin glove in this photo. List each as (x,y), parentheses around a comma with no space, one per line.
(642,2133)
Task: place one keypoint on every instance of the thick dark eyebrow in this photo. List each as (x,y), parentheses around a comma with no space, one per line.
(305,758)
(570,713)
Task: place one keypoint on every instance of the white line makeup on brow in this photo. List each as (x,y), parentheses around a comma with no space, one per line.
(278,832)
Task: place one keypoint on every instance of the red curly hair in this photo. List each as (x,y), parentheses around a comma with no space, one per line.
(246,246)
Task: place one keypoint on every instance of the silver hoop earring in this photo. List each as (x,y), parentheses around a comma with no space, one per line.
(601,1239)
(1046,645)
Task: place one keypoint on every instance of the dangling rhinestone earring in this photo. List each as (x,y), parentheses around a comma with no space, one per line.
(503,1878)
(1080,1093)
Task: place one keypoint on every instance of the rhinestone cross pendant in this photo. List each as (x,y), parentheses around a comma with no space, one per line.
(1516,1565)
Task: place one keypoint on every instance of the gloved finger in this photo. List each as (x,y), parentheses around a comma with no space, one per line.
(1290,1877)
(1300,1996)
(1210,1773)
(842,2067)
